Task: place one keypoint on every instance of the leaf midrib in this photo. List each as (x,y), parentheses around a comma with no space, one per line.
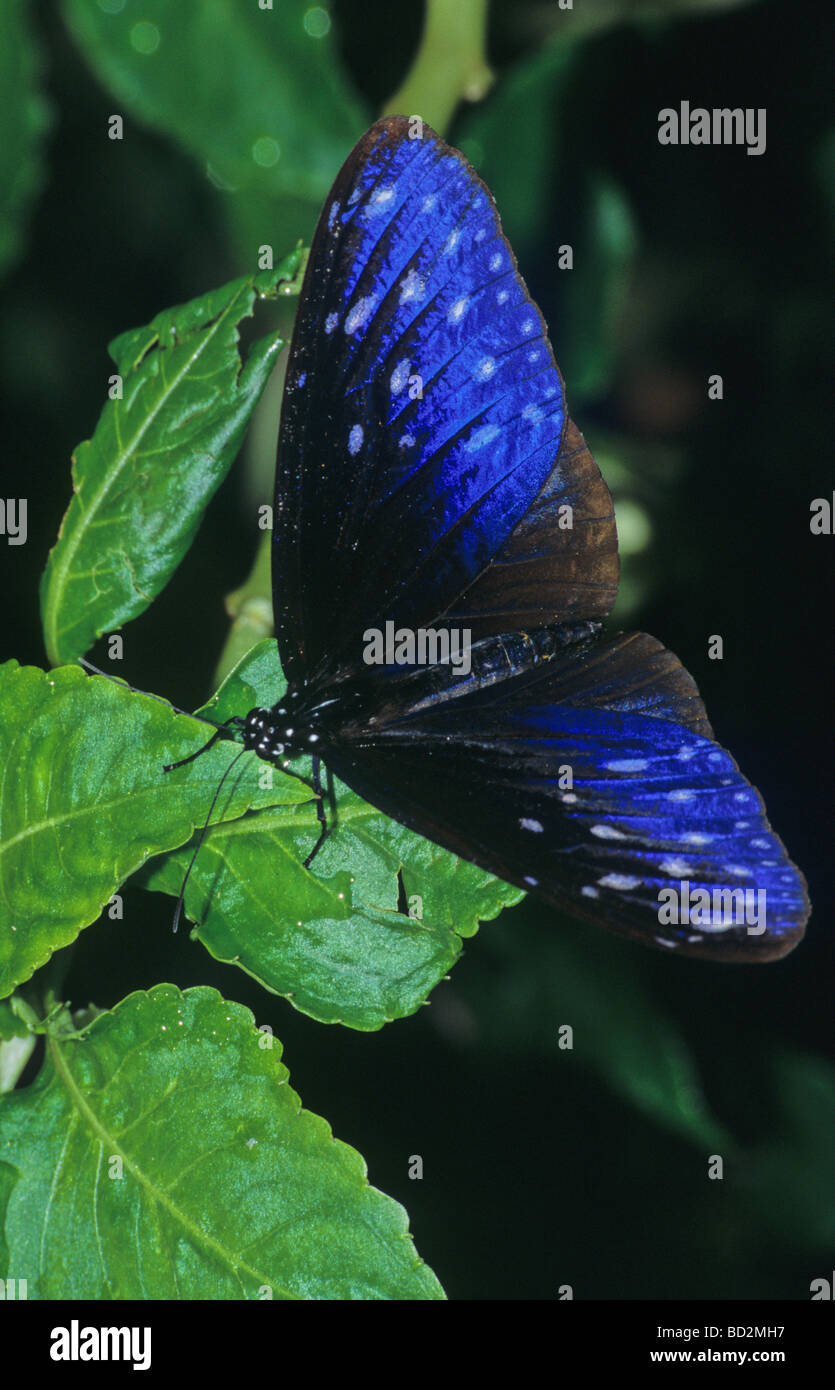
(58,584)
(195,1232)
(36,827)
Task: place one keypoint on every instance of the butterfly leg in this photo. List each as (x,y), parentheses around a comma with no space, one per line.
(219,732)
(321,814)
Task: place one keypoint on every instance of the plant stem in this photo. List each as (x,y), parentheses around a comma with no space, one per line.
(250,609)
(450,65)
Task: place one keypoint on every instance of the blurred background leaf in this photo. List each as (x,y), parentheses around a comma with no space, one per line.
(256,95)
(24,120)
(522,988)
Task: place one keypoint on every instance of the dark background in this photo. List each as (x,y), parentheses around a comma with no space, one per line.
(538,1171)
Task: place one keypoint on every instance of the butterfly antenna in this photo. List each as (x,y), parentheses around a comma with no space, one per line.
(180,901)
(219,731)
(109,676)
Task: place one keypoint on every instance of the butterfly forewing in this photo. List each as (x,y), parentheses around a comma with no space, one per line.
(422,422)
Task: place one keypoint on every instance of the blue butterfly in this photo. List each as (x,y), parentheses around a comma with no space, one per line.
(444,554)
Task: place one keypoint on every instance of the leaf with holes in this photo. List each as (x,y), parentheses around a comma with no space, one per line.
(160,450)
(331,939)
(161,1154)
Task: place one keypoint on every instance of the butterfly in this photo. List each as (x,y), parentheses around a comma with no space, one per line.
(444,555)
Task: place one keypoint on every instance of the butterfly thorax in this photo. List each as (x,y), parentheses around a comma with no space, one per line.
(351,703)
(284,731)
(300,722)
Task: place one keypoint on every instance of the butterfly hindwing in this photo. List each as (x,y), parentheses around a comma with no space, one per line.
(591,778)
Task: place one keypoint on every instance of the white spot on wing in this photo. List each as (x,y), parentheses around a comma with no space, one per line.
(676,868)
(627,765)
(607,832)
(330,322)
(534,825)
(355,439)
(380,198)
(359,314)
(622,881)
(411,287)
(485,434)
(458,310)
(399,377)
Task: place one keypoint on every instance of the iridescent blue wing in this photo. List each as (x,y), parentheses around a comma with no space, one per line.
(428,473)
(589,776)
(424,450)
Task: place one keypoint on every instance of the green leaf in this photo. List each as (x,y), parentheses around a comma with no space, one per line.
(330,939)
(163,1155)
(11,1024)
(24,119)
(17,1043)
(143,481)
(257,96)
(85,801)
(539,973)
